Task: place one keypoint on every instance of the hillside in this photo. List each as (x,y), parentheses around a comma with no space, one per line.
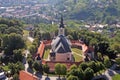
(97,10)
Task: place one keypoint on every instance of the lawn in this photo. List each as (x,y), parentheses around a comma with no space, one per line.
(116,77)
(77,54)
(77,50)
(46,54)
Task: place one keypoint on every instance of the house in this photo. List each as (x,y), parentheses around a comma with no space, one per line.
(27,76)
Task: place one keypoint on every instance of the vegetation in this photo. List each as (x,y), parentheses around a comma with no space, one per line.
(38,67)
(86,70)
(60,69)
(107,62)
(116,77)
(88,73)
(46,68)
(12,42)
(72,78)
(15,68)
(15,76)
(105,46)
(30,62)
(118,61)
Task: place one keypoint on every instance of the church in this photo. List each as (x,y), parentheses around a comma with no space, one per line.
(61,46)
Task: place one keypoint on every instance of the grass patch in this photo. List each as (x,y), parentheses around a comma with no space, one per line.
(76,54)
(26,32)
(116,77)
(77,50)
(46,54)
(77,58)
(5,68)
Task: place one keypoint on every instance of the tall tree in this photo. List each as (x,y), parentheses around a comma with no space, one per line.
(58,68)
(89,73)
(46,68)
(18,55)
(12,42)
(38,67)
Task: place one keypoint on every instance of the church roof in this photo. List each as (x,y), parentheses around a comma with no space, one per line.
(61,45)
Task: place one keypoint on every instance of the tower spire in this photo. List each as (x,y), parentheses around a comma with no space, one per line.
(61,22)
(61,27)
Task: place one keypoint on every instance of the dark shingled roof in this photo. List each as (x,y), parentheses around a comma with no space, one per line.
(61,45)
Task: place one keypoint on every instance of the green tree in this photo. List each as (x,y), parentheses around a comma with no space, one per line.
(46,68)
(30,62)
(88,74)
(13,30)
(63,69)
(12,68)
(93,66)
(38,67)
(71,77)
(18,55)
(12,42)
(99,56)
(117,61)
(103,47)
(107,62)
(58,68)
(73,67)
(19,66)
(15,68)
(83,65)
(32,49)
(15,77)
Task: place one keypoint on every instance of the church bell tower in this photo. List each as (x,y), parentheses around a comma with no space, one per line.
(61,27)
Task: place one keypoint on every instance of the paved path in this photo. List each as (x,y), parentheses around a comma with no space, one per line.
(30,39)
(26,55)
(78,54)
(51,78)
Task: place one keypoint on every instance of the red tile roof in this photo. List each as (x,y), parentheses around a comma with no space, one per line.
(41,49)
(27,76)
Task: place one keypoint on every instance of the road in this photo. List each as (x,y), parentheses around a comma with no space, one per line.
(26,65)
